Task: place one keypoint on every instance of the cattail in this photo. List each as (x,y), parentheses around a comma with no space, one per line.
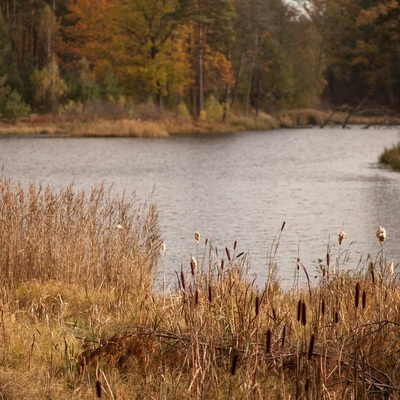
(268,341)
(323,307)
(240,254)
(283,336)
(311,347)
(257,305)
(391,268)
(197,237)
(299,303)
(341,237)
(364,299)
(183,280)
(357,299)
(234,245)
(303,314)
(372,268)
(196,297)
(193,265)
(328,259)
(209,293)
(206,241)
(381,234)
(228,254)
(336,317)
(98,388)
(235,359)
(298,264)
(283,225)
(307,385)
(222,265)
(163,247)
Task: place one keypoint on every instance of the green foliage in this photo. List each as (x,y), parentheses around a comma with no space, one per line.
(213,109)
(49,86)
(12,107)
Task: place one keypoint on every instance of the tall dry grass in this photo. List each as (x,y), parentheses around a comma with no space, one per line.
(81,319)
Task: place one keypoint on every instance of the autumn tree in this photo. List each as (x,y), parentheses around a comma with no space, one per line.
(377,50)
(151,54)
(211,23)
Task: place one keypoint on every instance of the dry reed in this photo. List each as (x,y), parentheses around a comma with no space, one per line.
(80,317)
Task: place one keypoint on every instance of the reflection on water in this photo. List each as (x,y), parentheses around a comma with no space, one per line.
(239,187)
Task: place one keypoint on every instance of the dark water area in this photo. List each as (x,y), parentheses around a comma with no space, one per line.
(239,187)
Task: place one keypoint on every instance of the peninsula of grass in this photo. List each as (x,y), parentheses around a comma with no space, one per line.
(86,313)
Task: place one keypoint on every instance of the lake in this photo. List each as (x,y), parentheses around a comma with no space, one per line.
(238,187)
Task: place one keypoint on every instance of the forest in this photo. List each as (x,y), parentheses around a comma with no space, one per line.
(192,57)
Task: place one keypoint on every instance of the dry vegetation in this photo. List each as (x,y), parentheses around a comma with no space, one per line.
(148,121)
(81,319)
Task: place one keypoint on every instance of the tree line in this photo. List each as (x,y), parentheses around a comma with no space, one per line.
(242,55)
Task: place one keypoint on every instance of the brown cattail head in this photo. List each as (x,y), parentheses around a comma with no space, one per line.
(183,280)
(257,305)
(357,298)
(98,389)
(336,317)
(234,245)
(372,268)
(299,304)
(328,259)
(323,307)
(311,347)
(209,293)
(196,297)
(235,360)
(283,336)
(222,265)
(298,264)
(307,385)
(283,225)
(228,254)
(304,314)
(364,299)
(197,237)
(268,341)
(193,265)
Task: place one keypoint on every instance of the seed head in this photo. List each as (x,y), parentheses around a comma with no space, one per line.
(391,268)
(381,234)
(197,237)
(163,247)
(193,265)
(341,237)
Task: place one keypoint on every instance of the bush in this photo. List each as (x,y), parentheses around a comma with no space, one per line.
(391,157)
(13,107)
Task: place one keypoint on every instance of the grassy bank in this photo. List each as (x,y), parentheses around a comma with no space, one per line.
(81,319)
(153,123)
(391,157)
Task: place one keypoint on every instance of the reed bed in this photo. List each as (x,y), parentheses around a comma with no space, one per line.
(82,318)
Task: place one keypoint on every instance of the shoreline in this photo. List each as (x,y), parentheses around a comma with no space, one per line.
(60,126)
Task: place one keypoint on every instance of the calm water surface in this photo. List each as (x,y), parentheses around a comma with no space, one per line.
(238,187)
